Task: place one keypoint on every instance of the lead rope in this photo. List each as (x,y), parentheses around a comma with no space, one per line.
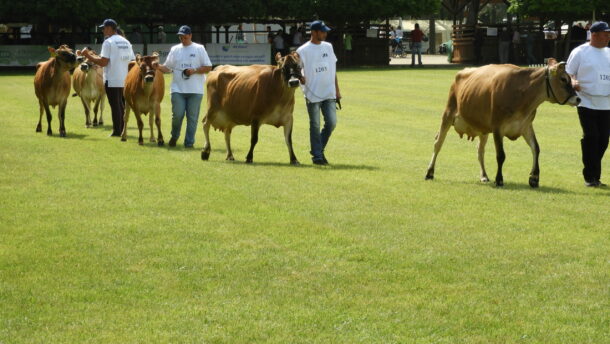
(338,101)
(550,88)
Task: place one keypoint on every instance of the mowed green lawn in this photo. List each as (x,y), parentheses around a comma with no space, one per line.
(103,241)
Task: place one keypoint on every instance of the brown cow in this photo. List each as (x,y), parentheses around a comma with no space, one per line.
(252,95)
(144,90)
(502,100)
(89,86)
(52,85)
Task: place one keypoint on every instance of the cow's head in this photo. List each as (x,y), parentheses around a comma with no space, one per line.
(147,71)
(85,64)
(64,56)
(291,68)
(559,84)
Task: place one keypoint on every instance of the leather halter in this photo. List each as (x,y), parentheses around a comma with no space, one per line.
(549,88)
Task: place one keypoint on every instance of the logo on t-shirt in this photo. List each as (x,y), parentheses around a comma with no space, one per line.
(325,55)
(193,55)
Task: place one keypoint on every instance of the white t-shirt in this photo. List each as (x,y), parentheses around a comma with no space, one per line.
(182,57)
(119,51)
(319,67)
(591,66)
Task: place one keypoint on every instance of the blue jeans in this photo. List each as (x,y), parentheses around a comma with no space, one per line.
(188,103)
(320,139)
(415,49)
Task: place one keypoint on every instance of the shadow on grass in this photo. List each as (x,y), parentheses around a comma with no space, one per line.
(309,165)
(511,186)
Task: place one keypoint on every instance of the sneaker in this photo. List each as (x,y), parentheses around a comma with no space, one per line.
(325,161)
(172,142)
(319,162)
(188,147)
(591,184)
(600,184)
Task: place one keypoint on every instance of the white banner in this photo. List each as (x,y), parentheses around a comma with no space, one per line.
(239,54)
(137,48)
(233,54)
(23,55)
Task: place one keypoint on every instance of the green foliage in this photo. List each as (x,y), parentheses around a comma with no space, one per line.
(103,241)
(559,9)
(208,11)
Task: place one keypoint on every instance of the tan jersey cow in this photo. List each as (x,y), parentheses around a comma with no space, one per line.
(144,90)
(89,86)
(52,85)
(252,95)
(502,100)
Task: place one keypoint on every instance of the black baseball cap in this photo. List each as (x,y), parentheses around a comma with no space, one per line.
(184,30)
(599,27)
(319,25)
(109,22)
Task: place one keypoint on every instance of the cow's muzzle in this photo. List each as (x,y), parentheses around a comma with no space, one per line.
(84,67)
(149,78)
(293,82)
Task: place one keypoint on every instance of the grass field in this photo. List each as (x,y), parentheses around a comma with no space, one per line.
(103,241)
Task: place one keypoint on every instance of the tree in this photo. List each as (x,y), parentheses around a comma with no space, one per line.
(566,10)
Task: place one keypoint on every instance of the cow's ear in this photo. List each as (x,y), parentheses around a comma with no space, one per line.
(130,65)
(138,58)
(561,67)
(551,62)
(278,57)
(52,51)
(296,56)
(155,56)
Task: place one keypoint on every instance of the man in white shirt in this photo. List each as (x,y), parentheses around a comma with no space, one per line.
(320,87)
(115,56)
(589,67)
(189,62)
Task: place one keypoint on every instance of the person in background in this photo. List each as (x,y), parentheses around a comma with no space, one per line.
(278,43)
(270,35)
(417,36)
(240,37)
(189,62)
(589,67)
(298,37)
(136,36)
(504,45)
(115,57)
(320,87)
(161,36)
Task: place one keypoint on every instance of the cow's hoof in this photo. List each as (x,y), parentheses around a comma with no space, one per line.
(141,142)
(123,139)
(94,124)
(49,133)
(429,176)
(533,182)
(160,143)
(248,161)
(499,183)
(62,134)
(101,122)
(39,128)
(295,163)
(484,179)
(230,158)
(205,155)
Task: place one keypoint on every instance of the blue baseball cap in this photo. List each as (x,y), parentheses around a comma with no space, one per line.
(319,25)
(184,30)
(109,22)
(599,27)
